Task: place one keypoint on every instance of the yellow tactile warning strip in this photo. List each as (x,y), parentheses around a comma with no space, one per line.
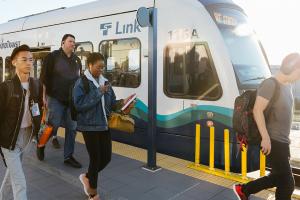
(173,164)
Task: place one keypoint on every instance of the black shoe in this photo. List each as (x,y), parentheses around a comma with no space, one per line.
(72,162)
(40,153)
(55,143)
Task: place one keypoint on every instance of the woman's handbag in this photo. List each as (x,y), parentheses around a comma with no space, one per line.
(121,122)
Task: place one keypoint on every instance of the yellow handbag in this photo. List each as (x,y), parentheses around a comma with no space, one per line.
(121,122)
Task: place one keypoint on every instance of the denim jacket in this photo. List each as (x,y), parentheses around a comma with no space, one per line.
(90,116)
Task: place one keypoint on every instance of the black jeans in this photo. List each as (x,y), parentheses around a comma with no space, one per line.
(98,145)
(280,177)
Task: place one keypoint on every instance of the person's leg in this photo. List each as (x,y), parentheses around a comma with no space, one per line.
(55,114)
(54,117)
(280,177)
(286,183)
(70,129)
(104,149)
(5,186)
(55,142)
(91,140)
(17,177)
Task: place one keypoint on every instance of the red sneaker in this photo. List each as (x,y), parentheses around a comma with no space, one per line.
(237,188)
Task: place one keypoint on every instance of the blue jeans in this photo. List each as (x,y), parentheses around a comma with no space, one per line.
(60,115)
(14,175)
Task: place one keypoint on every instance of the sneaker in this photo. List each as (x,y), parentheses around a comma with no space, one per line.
(237,188)
(72,162)
(55,143)
(85,182)
(97,197)
(40,152)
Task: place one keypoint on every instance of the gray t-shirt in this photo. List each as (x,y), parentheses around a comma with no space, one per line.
(280,118)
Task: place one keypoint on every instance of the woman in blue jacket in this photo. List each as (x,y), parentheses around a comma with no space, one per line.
(94,99)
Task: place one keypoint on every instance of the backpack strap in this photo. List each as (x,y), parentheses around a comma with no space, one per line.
(274,98)
(86,84)
(276,91)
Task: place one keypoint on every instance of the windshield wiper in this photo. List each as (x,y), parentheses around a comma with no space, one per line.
(256,78)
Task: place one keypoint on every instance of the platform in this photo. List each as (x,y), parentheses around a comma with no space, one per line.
(123,179)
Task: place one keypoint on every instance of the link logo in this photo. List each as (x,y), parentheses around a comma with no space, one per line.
(104,27)
(119,28)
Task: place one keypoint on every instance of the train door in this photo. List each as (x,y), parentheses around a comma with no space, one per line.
(9,70)
(39,55)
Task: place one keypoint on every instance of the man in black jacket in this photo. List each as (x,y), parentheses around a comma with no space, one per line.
(20,105)
(60,71)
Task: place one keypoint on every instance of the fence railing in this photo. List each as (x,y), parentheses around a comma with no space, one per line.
(225,173)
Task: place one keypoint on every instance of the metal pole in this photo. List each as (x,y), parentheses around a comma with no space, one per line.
(152,91)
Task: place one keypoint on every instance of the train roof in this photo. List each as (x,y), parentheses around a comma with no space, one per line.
(64,15)
(95,9)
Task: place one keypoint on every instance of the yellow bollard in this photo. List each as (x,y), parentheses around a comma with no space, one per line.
(262,164)
(197,145)
(226,151)
(244,162)
(212,148)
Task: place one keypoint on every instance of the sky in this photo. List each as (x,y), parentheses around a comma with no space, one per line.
(276,22)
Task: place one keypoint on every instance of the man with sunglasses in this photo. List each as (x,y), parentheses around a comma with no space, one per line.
(60,70)
(20,104)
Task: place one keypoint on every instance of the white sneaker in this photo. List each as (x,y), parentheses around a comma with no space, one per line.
(85,182)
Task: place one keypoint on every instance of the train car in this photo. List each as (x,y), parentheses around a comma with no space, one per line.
(207,53)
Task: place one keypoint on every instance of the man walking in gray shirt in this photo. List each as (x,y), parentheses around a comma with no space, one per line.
(275,131)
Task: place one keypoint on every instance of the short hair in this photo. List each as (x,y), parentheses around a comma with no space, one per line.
(66,36)
(93,57)
(290,63)
(18,49)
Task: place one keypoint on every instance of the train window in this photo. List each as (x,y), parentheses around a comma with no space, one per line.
(1,69)
(82,50)
(189,72)
(123,61)
(9,69)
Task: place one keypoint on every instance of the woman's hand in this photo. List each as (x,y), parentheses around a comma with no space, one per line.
(104,88)
(129,107)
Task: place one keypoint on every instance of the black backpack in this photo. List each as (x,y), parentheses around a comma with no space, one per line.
(86,88)
(243,121)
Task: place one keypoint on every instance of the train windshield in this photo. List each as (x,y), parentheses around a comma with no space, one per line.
(248,60)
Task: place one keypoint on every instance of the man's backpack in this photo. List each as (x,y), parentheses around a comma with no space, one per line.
(243,121)
(86,88)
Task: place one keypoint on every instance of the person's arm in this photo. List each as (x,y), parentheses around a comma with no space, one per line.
(265,93)
(116,105)
(46,75)
(3,96)
(44,96)
(258,111)
(83,101)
